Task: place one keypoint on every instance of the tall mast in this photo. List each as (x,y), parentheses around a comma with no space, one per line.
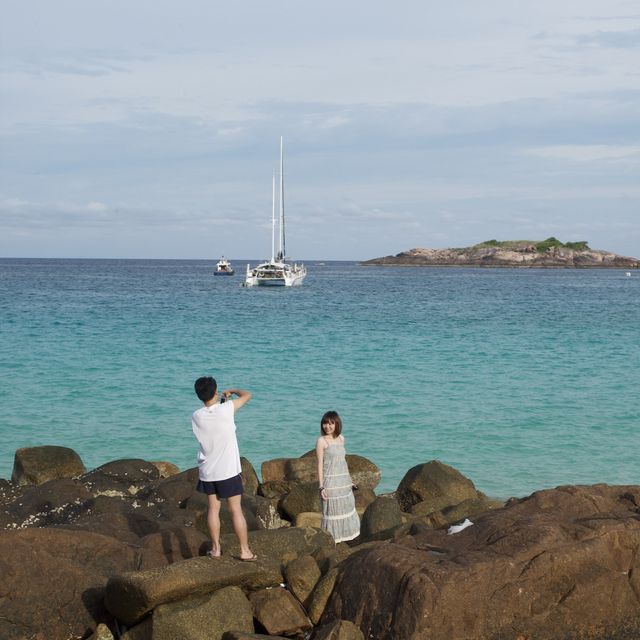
(282,243)
(273,218)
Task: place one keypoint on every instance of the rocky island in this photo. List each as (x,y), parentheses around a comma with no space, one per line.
(549,253)
(118,552)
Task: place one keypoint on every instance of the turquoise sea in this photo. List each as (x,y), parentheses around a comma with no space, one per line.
(522,379)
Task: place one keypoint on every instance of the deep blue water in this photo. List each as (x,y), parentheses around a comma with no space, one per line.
(521,379)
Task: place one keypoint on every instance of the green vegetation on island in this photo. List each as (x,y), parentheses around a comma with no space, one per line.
(549,253)
(540,246)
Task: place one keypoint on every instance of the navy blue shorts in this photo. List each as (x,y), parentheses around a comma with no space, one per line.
(222,488)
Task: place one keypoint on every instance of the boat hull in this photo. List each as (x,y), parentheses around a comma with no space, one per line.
(275,275)
(223,273)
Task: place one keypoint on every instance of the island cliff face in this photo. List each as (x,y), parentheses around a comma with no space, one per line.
(511,254)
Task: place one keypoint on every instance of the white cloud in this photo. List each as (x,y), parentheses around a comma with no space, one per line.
(587,153)
(168,121)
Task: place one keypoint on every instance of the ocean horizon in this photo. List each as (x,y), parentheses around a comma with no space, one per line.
(522,379)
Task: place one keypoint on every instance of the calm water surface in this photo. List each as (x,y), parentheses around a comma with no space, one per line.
(521,379)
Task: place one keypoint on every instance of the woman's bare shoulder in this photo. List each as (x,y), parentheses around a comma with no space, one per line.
(321,442)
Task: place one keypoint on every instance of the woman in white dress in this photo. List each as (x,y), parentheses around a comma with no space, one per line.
(339,515)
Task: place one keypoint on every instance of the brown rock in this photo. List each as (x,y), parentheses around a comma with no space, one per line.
(203,617)
(120,477)
(381,515)
(123,527)
(53,581)
(302,575)
(176,543)
(273,470)
(301,497)
(250,482)
(274,488)
(142,631)
(268,516)
(364,496)
(328,558)
(435,483)
(8,492)
(58,501)
(338,630)
(309,519)
(559,564)
(279,612)
(241,635)
(173,491)
(35,465)
(130,596)
(470,508)
(433,519)
(166,469)
(102,632)
(320,595)
(280,544)
(364,473)
(304,469)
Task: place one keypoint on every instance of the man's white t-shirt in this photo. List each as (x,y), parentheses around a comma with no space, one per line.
(215,429)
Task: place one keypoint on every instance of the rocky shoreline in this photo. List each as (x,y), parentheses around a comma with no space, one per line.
(548,254)
(118,552)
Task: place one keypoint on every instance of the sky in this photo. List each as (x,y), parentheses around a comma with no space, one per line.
(150,128)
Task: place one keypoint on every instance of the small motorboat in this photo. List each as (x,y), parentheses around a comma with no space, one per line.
(223,268)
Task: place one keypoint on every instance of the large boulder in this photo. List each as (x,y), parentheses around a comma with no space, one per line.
(319,597)
(132,595)
(268,515)
(242,635)
(165,469)
(35,465)
(176,543)
(280,544)
(435,483)
(274,489)
(338,630)
(562,563)
(364,496)
(363,472)
(57,501)
(302,575)
(250,482)
(123,527)
(305,469)
(383,514)
(302,497)
(290,469)
(470,508)
(203,617)
(53,581)
(120,477)
(279,612)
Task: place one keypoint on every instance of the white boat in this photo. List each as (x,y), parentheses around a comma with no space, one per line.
(276,272)
(223,268)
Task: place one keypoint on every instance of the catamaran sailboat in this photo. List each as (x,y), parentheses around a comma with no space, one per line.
(276,272)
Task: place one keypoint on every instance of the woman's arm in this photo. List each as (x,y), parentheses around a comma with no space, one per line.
(320,445)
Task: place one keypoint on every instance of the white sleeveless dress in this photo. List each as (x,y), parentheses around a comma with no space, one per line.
(339,515)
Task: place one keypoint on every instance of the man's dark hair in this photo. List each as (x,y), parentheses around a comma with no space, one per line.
(205,388)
